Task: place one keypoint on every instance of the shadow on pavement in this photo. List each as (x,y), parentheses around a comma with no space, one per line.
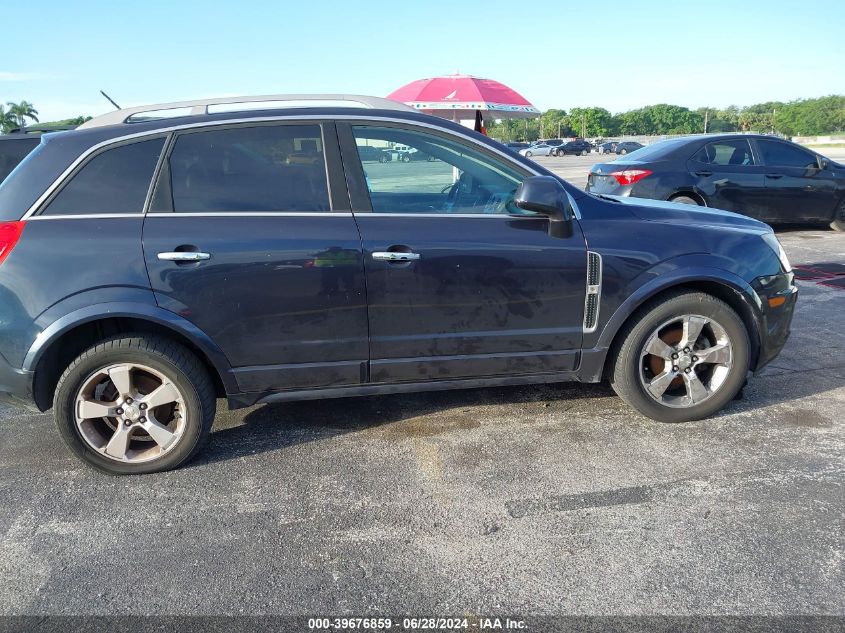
(275,426)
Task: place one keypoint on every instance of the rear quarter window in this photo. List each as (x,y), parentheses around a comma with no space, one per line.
(114,181)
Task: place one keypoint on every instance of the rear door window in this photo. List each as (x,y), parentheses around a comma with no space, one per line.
(249,169)
(736,152)
(114,181)
(777,154)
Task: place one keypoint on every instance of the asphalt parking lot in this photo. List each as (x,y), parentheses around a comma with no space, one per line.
(530,500)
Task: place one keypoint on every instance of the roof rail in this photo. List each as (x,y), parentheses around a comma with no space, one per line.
(201,106)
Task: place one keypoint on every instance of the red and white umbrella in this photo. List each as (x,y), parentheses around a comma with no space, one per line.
(461,96)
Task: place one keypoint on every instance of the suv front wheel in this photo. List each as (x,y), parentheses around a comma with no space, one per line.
(135,404)
(683,358)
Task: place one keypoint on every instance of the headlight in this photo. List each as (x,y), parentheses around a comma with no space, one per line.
(772,241)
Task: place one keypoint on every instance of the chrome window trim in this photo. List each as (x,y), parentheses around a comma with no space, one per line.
(234,121)
(85,216)
(251,214)
(373,214)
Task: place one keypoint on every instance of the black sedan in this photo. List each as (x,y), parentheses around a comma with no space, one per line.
(369,154)
(576,148)
(760,176)
(626,147)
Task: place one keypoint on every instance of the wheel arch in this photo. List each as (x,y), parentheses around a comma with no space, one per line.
(691,192)
(69,336)
(722,285)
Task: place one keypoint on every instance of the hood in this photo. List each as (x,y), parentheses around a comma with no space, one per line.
(677,213)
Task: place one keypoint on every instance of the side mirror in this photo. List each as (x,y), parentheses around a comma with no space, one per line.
(545,195)
(824,163)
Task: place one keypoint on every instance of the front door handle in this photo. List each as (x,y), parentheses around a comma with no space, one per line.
(394,256)
(704,172)
(183,256)
(774,176)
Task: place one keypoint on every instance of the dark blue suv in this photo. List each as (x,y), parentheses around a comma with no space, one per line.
(159,258)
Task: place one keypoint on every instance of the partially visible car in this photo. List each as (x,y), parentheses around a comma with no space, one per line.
(17,144)
(764,177)
(373,154)
(575,148)
(626,147)
(516,146)
(540,149)
(608,147)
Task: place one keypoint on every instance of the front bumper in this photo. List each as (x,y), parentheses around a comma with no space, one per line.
(16,386)
(778,295)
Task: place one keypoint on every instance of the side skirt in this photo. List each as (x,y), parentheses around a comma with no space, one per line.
(239,401)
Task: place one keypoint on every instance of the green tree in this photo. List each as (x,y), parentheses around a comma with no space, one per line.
(590,122)
(22,111)
(7,120)
(554,123)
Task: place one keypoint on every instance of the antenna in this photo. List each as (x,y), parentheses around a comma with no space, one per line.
(111,101)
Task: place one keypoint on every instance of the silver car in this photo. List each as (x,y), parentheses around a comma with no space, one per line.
(537,150)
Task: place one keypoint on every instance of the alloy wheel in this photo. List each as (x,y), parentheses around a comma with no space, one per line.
(685,361)
(129,412)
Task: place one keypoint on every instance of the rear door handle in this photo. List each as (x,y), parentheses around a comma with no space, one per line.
(774,176)
(704,172)
(183,256)
(393,256)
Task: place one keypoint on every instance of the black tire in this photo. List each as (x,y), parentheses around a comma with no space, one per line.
(178,364)
(528,154)
(625,370)
(406,159)
(583,152)
(838,223)
(685,200)
(624,151)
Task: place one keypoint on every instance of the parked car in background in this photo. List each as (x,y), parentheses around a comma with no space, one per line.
(575,148)
(374,154)
(412,154)
(15,146)
(541,149)
(608,147)
(767,178)
(554,142)
(149,268)
(516,146)
(626,147)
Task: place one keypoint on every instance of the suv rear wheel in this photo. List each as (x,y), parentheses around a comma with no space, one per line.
(683,358)
(135,404)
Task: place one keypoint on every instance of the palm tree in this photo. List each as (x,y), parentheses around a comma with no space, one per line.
(22,111)
(7,120)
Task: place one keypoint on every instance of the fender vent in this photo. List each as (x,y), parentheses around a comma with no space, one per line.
(591,302)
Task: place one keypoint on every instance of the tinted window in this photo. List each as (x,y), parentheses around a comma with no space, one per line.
(730,152)
(13,152)
(114,181)
(785,155)
(436,175)
(262,168)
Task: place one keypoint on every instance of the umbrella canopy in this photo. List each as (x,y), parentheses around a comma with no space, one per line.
(460,96)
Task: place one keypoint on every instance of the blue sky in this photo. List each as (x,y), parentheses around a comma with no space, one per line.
(652,51)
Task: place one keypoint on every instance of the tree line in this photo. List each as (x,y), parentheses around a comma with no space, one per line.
(17,115)
(805,117)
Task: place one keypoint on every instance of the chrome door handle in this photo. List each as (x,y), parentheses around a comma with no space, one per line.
(183,256)
(391,256)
